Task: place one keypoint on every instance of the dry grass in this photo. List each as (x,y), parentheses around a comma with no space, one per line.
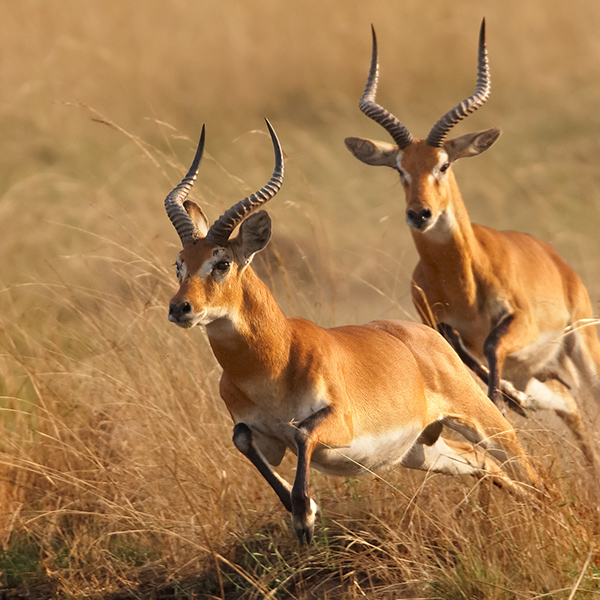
(117,475)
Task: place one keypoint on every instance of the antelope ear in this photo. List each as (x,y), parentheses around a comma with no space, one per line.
(254,235)
(372,152)
(198,217)
(471,144)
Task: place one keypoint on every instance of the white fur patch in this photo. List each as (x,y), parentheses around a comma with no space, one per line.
(443,159)
(367,452)
(403,173)
(542,397)
(207,267)
(443,228)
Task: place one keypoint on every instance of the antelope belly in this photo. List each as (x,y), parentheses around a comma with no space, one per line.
(366,453)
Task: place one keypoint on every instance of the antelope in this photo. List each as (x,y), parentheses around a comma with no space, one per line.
(513,300)
(345,400)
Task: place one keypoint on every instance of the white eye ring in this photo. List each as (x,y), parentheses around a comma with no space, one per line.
(404,177)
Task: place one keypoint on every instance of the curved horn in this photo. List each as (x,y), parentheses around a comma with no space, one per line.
(482,92)
(174,201)
(223,227)
(374,111)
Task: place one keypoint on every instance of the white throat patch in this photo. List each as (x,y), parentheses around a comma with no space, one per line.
(442,230)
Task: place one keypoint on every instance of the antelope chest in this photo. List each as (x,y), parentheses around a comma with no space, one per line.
(273,411)
(473,330)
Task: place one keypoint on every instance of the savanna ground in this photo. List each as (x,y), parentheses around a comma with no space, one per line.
(118,478)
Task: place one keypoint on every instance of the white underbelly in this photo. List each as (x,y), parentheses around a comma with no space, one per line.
(366,453)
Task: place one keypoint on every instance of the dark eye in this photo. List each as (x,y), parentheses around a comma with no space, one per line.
(444,167)
(222,266)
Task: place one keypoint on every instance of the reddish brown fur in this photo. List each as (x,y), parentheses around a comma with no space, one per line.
(346,400)
(509,295)
(290,384)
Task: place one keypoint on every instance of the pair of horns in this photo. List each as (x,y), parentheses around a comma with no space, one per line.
(439,131)
(223,227)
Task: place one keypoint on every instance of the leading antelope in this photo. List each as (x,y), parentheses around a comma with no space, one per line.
(514,301)
(345,400)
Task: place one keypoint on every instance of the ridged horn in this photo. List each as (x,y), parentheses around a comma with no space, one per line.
(174,201)
(223,227)
(374,111)
(482,92)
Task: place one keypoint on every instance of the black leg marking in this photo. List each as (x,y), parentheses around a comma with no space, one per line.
(453,338)
(242,438)
(302,515)
(431,433)
(490,351)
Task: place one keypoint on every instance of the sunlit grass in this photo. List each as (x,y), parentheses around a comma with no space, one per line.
(117,472)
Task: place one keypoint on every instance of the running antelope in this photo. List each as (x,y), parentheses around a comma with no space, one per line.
(514,301)
(345,400)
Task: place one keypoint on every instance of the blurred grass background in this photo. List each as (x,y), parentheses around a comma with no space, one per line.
(117,471)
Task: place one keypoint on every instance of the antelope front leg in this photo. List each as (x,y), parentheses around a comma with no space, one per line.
(242,438)
(516,398)
(494,349)
(321,427)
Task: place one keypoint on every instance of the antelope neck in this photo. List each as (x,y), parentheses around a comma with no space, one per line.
(254,339)
(456,255)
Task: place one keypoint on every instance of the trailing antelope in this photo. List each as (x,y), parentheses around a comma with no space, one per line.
(344,400)
(514,301)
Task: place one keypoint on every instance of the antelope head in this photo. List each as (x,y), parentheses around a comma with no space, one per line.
(425,165)
(210,265)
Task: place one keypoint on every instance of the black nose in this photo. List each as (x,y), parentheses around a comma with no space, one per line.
(176,311)
(418,219)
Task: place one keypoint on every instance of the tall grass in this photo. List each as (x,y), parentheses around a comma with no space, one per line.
(117,474)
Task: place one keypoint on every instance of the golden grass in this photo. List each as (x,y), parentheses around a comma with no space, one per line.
(117,473)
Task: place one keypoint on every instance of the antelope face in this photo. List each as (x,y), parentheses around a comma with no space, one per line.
(424,166)
(204,295)
(425,173)
(211,266)
(425,176)
(210,275)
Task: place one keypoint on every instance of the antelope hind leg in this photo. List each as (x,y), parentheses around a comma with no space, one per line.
(553,395)
(459,458)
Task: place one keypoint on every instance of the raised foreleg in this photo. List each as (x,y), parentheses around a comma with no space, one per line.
(243,441)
